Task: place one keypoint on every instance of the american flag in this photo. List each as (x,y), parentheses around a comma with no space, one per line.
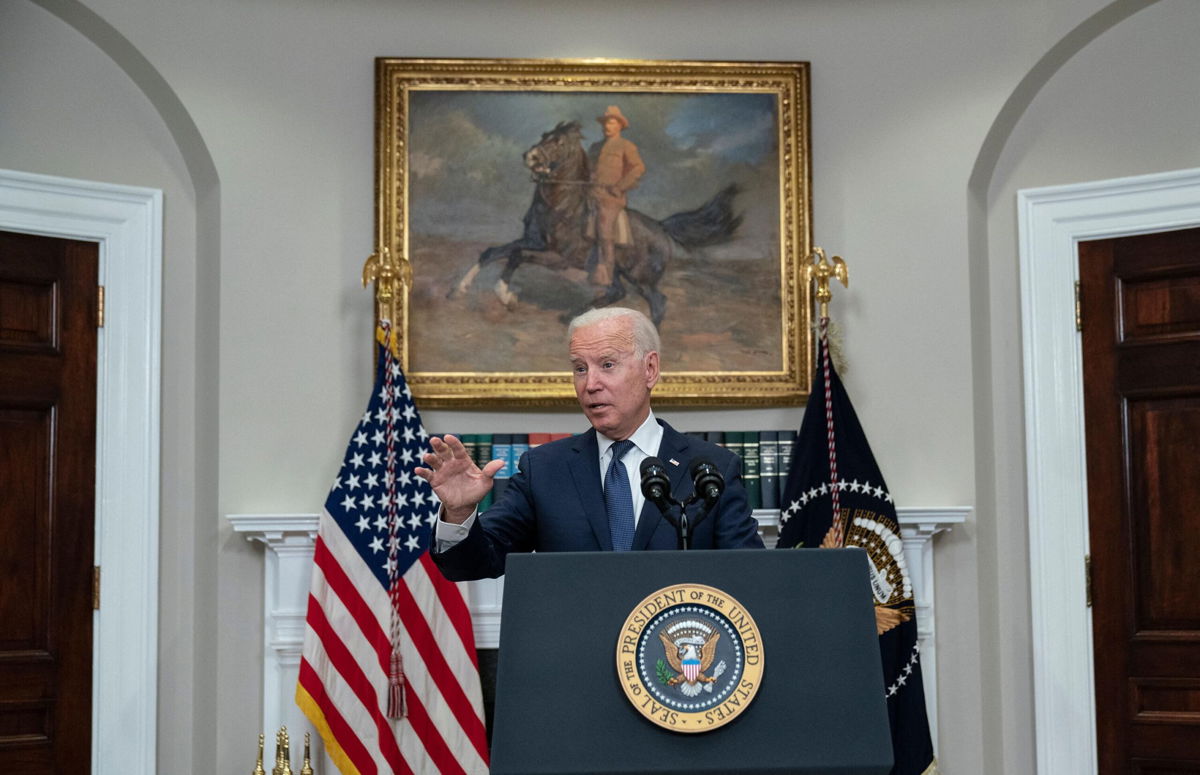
(350,630)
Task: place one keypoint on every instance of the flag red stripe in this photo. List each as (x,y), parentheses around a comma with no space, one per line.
(347,592)
(351,672)
(455,606)
(351,746)
(435,746)
(421,635)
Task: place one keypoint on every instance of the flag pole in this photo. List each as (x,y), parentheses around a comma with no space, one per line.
(392,279)
(820,269)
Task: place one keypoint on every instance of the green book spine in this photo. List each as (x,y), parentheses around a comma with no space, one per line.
(768,467)
(483,449)
(787,441)
(733,443)
(752,473)
(499,449)
(470,442)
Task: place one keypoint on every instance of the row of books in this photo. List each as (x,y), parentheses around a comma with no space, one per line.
(766,458)
(486,447)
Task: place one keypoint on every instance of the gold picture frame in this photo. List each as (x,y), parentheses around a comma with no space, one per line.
(458,181)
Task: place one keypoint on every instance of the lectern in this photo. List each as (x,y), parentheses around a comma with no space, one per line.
(743,661)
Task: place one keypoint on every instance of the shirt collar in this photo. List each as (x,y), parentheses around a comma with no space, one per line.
(646,438)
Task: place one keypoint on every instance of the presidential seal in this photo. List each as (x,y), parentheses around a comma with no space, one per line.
(690,658)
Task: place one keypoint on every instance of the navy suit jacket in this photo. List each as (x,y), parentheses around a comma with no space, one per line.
(554,503)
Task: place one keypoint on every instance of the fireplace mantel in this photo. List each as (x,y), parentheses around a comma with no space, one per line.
(289,540)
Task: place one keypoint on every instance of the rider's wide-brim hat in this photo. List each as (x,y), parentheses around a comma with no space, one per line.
(612,111)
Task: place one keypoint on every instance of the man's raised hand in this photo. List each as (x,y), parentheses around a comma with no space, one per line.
(453,475)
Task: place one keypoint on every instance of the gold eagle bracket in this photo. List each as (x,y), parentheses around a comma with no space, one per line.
(820,269)
(393,279)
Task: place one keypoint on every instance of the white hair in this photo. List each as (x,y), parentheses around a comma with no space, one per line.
(645,335)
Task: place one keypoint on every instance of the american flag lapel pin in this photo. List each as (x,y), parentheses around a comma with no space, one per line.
(673,462)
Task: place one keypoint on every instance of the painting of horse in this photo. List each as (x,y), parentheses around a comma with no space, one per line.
(501,240)
(559,234)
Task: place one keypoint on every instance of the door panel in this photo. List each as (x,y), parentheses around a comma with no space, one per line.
(1140,300)
(47,502)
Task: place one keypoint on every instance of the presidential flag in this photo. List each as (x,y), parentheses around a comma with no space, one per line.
(835,496)
(388,674)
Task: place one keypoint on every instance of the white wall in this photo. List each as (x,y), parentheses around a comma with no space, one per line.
(268,332)
(1122,106)
(66,109)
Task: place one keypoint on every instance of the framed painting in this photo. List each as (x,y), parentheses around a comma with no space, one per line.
(515,194)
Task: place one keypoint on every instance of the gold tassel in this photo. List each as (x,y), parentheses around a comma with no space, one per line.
(836,350)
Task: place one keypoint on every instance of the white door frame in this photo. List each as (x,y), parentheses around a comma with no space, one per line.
(127,224)
(1052,221)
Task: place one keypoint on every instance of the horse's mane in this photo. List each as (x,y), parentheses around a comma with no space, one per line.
(564,127)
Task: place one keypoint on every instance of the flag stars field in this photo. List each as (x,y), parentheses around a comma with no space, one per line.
(367,506)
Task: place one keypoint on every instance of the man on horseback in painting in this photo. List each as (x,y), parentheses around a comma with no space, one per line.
(577,218)
(616,168)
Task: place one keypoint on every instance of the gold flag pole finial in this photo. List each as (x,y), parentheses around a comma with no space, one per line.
(287,753)
(258,767)
(392,277)
(307,769)
(278,768)
(820,269)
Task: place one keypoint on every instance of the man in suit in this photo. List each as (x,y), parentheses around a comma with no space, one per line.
(571,495)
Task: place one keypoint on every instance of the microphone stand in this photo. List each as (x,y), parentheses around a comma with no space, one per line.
(656,488)
(676,513)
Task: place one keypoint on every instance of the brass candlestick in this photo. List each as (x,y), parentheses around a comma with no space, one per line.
(283,755)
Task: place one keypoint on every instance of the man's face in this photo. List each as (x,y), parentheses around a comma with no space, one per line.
(612,384)
(612,127)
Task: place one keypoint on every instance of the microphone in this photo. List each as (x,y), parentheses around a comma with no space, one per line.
(656,486)
(707,481)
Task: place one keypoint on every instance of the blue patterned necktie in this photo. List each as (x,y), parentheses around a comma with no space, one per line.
(618,499)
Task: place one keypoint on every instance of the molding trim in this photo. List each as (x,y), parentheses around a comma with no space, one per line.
(127,224)
(1052,221)
(287,574)
(290,538)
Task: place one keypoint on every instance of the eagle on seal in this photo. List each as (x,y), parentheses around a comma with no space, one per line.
(690,657)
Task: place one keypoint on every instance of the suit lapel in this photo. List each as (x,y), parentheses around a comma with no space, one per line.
(584,464)
(674,447)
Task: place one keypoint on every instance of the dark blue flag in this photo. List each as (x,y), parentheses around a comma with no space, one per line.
(833,473)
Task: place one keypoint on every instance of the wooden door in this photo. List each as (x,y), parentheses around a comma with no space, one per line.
(47,502)
(1140,304)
